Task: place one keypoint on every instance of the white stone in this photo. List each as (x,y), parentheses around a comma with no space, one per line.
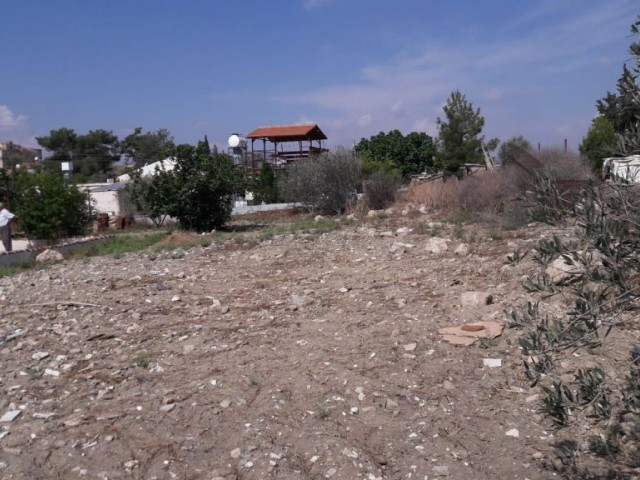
(492,362)
(462,250)
(10,416)
(513,433)
(437,245)
(49,256)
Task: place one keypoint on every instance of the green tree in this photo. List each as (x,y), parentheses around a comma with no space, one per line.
(265,185)
(202,186)
(151,195)
(393,152)
(511,148)
(600,141)
(327,183)
(460,133)
(622,109)
(93,154)
(50,207)
(144,148)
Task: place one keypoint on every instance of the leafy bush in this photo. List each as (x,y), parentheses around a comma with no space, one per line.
(150,195)
(604,289)
(265,185)
(201,187)
(328,182)
(49,207)
(197,191)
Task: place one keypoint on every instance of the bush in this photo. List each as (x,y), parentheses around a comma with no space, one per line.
(380,190)
(482,192)
(328,182)
(49,207)
(201,187)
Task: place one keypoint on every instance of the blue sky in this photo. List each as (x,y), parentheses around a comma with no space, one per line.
(356,67)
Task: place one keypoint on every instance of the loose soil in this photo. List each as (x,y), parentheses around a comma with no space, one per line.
(306,356)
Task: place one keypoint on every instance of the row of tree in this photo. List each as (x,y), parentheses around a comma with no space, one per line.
(94,154)
(459,142)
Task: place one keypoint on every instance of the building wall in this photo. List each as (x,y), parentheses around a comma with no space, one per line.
(12,154)
(106,202)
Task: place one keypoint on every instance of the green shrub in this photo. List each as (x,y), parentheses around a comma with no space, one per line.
(49,207)
(328,182)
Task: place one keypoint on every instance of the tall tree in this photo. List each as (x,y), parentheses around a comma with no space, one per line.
(61,143)
(460,133)
(143,148)
(92,154)
(391,151)
(622,109)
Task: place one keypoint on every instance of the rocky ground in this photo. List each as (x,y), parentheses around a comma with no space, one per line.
(304,356)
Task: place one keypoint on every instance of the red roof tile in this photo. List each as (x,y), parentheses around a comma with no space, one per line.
(289,133)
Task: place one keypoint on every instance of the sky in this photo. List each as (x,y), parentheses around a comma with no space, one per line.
(355,67)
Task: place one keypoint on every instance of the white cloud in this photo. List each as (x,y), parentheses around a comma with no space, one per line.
(15,128)
(8,120)
(522,61)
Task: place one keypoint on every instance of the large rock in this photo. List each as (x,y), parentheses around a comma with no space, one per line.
(437,245)
(49,256)
(560,271)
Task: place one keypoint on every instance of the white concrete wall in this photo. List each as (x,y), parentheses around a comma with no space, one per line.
(106,202)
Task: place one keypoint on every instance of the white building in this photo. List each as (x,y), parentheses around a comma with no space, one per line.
(622,169)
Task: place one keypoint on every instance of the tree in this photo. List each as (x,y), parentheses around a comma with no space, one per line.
(151,195)
(328,182)
(622,109)
(600,142)
(201,188)
(511,148)
(144,148)
(393,152)
(265,185)
(50,207)
(92,154)
(459,134)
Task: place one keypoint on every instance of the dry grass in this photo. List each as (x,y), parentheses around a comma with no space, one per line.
(483,191)
(567,165)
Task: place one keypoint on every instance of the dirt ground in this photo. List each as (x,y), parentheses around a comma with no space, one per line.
(302,357)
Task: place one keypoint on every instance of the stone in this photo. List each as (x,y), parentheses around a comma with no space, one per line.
(226,403)
(391,404)
(403,231)
(448,385)
(410,347)
(436,245)
(168,407)
(441,471)
(10,416)
(318,218)
(235,453)
(49,256)
(475,299)
(532,398)
(462,250)
(513,433)
(39,355)
(492,362)
(560,271)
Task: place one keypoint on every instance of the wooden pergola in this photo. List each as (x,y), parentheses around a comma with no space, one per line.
(281,152)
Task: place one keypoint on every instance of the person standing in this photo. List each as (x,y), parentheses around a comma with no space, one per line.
(6,218)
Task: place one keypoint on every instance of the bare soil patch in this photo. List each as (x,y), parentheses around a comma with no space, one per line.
(302,357)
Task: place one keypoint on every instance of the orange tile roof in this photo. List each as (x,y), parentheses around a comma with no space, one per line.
(289,133)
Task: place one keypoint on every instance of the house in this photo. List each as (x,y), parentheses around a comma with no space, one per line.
(13,155)
(107,197)
(166,165)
